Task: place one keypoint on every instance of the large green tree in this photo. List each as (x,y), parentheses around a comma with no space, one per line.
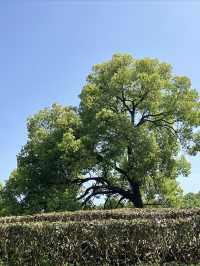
(138,121)
(127,141)
(46,162)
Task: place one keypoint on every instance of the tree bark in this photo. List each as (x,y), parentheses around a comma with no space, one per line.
(136,195)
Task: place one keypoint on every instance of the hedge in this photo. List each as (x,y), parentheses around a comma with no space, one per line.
(101,242)
(127,214)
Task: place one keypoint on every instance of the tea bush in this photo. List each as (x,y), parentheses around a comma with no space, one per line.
(112,241)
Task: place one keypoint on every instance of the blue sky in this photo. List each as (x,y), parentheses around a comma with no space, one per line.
(47,48)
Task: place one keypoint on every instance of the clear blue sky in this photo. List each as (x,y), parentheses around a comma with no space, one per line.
(48,47)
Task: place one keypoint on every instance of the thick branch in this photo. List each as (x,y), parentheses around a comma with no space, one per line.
(123,100)
(88,190)
(81,181)
(145,117)
(105,189)
(93,195)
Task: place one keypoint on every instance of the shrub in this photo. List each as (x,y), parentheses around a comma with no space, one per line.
(103,242)
(126,214)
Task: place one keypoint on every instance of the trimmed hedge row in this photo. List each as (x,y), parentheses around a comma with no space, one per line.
(105,242)
(127,214)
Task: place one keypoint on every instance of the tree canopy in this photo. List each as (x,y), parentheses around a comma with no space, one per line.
(191,200)
(138,120)
(45,163)
(126,141)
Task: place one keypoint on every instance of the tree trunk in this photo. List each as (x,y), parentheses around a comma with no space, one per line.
(136,198)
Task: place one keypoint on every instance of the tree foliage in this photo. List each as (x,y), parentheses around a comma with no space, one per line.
(126,141)
(191,200)
(45,163)
(137,118)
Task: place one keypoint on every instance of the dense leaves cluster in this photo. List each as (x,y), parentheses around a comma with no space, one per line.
(45,164)
(191,200)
